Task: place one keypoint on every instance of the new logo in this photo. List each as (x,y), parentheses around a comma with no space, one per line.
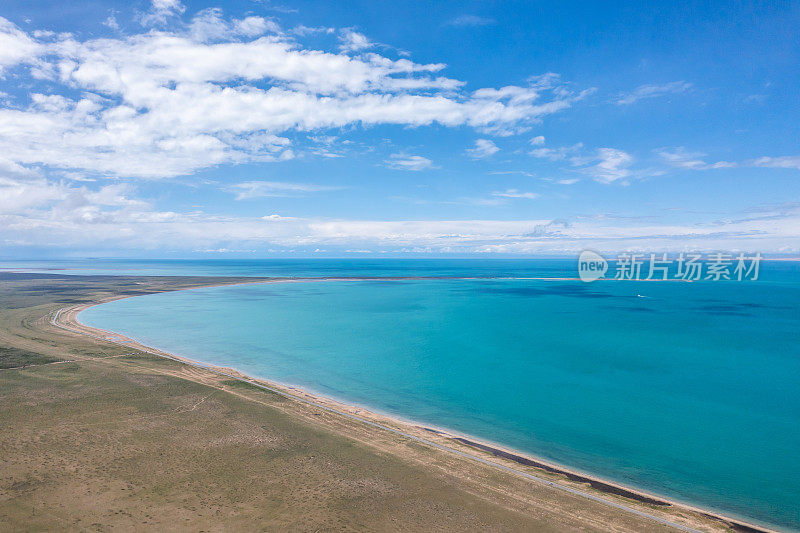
(591,266)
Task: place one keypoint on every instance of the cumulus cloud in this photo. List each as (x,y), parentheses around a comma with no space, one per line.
(28,203)
(210,25)
(197,91)
(160,11)
(408,162)
(16,196)
(483,148)
(111,20)
(16,46)
(219,91)
(252,26)
(352,41)
(652,91)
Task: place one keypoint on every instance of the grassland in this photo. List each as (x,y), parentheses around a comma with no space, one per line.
(98,436)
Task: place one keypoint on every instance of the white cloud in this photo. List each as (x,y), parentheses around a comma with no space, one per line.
(556,154)
(174,6)
(111,21)
(302,30)
(408,162)
(9,169)
(520,172)
(225,251)
(537,141)
(611,165)
(16,196)
(262,189)
(16,46)
(788,161)
(514,193)
(210,25)
(63,216)
(33,202)
(681,158)
(252,26)
(277,7)
(160,11)
(652,91)
(483,148)
(470,20)
(604,165)
(352,41)
(170,102)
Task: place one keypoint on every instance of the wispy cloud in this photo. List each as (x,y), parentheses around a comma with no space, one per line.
(787,161)
(276,7)
(483,148)
(610,165)
(408,162)
(515,193)
(555,154)
(225,251)
(681,158)
(652,91)
(108,217)
(469,20)
(503,172)
(604,165)
(262,189)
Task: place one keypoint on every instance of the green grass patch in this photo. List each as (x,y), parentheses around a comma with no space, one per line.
(243,385)
(11,357)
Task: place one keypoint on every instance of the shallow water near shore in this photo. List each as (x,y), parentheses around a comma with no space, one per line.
(688,390)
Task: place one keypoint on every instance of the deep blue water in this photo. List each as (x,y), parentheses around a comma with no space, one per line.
(690,390)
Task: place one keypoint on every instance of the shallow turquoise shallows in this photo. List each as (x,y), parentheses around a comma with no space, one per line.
(689,390)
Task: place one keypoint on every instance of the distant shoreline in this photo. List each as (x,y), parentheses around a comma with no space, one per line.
(66,318)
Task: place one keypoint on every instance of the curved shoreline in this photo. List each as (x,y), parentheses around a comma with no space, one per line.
(66,318)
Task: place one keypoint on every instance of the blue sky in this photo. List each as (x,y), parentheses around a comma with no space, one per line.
(259,129)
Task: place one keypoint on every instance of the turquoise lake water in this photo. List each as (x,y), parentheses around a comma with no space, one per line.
(689,390)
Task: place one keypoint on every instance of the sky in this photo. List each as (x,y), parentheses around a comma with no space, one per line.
(255,128)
